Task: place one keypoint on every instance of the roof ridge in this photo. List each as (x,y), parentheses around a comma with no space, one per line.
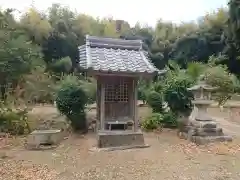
(111,39)
(106,42)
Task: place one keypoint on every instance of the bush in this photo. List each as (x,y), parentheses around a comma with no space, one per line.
(152,122)
(71,101)
(177,96)
(169,120)
(14,121)
(155,100)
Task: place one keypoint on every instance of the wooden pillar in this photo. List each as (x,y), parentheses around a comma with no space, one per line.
(98,101)
(135,104)
(102,106)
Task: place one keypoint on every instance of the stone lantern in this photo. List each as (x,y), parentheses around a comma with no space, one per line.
(201,127)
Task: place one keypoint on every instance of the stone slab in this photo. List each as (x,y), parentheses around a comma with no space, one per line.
(205,140)
(209,132)
(203,124)
(107,139)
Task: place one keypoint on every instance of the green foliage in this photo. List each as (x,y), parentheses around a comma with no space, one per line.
(176,94)
(38,87)
(152,122)
(63,65)
(195,69)
(16,53)
(88,85)
(155,100)
(14,122)
(226,83)
(169,119)
(157,120)
(71,101)
(59,32)
(142,94)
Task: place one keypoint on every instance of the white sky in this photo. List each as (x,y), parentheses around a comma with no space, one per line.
(145,11)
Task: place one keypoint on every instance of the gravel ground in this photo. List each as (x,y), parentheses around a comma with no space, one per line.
(168,158)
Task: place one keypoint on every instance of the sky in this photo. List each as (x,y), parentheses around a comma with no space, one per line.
(145,12)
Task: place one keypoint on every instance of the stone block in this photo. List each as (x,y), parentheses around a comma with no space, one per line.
(203,124)
(210,139)
(209,132)
(120,139)
(44,137)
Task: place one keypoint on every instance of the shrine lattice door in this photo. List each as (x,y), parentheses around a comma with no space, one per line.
(118,99)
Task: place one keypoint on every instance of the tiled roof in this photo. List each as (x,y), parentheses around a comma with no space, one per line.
(114,55)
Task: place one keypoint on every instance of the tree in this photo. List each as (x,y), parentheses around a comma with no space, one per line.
(36,25)
(16,53)
(232,38)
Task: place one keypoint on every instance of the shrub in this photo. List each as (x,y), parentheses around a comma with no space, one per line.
(169,120)
(71,101)
(155,100)
(152,122)
(14,121)
(177,96)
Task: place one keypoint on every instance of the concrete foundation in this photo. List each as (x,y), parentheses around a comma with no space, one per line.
(121,139)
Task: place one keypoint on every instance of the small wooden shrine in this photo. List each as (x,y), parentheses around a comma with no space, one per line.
(117,65)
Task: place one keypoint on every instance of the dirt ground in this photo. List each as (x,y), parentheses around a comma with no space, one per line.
(168,157)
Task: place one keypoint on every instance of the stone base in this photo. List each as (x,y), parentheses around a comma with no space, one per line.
(203,131)
(210,139)
(111,139)
(201,140)
(39,138)
(96,149)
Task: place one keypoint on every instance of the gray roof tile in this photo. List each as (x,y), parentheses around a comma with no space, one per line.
(115,55)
